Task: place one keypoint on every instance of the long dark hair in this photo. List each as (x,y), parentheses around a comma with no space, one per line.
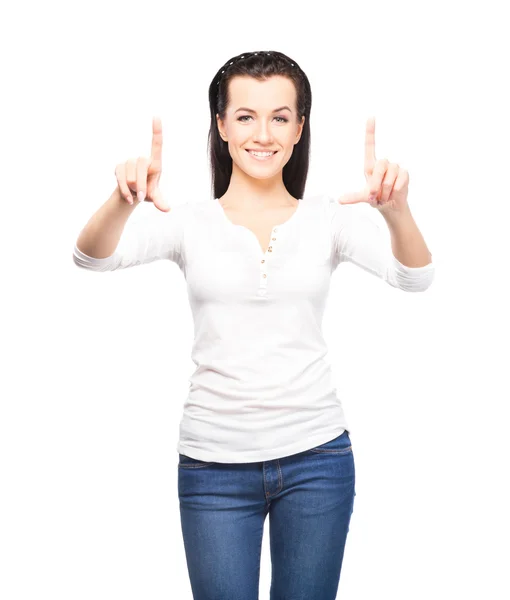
(260,65)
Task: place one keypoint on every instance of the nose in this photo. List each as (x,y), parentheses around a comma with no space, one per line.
(263,133)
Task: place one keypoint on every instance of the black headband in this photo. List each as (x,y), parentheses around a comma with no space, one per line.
(247,55)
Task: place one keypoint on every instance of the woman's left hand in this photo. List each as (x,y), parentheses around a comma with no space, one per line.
(387,184)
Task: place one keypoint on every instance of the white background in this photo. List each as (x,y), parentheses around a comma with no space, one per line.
(95,365)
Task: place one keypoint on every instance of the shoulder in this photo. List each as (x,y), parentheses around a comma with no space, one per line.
(327,205)
(190,210)
(181,216)
(339,217)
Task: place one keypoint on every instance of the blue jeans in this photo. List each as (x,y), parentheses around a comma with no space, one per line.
(309,497)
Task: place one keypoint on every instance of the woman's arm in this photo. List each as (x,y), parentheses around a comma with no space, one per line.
(100,236)
(358,239)
(155,236)
(407,242)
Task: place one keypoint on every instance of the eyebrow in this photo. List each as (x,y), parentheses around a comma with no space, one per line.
(253,111)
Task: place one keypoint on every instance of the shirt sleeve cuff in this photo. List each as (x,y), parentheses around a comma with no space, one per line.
(405,270)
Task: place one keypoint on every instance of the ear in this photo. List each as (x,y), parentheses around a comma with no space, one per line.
(300,129)
(219,122)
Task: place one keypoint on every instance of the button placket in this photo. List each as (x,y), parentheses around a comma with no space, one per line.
(263,265)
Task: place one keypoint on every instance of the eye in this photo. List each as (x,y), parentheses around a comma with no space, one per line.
(283,119)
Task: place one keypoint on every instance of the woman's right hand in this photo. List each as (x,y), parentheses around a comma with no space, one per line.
(141,175)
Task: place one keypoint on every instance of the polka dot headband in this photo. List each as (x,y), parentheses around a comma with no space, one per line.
(249,54)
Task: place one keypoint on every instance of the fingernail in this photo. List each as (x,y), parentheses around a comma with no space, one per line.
(372,197)
(141,196)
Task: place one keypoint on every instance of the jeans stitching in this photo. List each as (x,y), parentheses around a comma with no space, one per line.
(327,451)
(193,466)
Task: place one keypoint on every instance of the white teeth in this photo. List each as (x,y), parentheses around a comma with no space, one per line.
(260,153)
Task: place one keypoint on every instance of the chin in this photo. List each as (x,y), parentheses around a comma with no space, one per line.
(255,174)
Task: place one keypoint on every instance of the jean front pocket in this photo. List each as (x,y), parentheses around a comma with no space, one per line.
(339,445)
(186,462)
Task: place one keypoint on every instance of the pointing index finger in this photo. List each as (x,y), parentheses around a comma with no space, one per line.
(157,143)
(370,146)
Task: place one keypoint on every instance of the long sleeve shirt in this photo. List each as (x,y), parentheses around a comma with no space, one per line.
(262,388)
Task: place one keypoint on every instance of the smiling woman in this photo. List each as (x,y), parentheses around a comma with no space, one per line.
(263,430)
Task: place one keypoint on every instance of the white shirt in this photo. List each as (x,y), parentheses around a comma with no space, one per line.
(262,388)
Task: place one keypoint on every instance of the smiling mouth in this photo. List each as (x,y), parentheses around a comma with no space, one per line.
(263,154)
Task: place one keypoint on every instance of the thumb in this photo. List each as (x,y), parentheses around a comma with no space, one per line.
(157,199)
(353,197)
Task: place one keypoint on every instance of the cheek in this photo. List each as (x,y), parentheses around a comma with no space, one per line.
(235,139)
(288,143)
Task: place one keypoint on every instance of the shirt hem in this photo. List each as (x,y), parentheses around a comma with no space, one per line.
(259,456)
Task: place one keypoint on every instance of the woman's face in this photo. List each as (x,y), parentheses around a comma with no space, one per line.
(262,128)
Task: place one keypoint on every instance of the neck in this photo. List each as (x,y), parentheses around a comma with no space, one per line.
(250,194)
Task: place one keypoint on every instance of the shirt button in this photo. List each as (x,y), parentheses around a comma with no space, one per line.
(263,261)
(273,239)
(270,249)
(264,275)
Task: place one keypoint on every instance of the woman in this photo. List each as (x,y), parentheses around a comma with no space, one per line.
(263,431)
